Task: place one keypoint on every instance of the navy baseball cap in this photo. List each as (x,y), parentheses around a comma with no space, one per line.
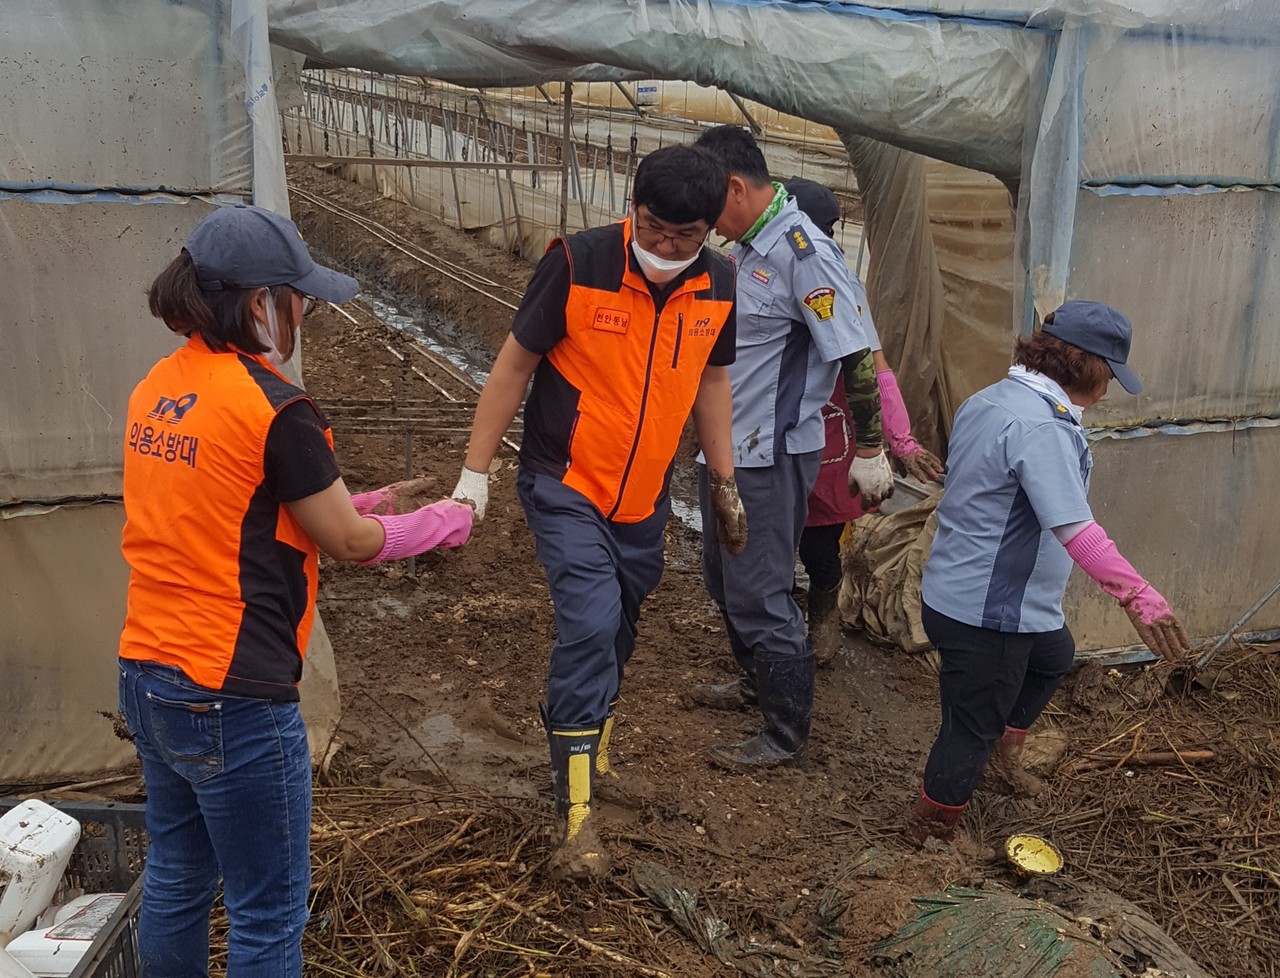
(1101,330)
(245,247)
(816,201)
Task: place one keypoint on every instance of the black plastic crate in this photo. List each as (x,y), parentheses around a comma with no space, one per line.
(109,858)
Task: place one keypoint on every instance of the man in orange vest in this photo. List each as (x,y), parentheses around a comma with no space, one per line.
(626,330)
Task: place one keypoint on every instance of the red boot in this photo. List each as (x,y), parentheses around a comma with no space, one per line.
(1007,764)
(931,820)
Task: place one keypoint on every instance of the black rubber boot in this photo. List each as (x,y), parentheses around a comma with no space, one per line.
(824,625)
(736,694)
(785,694)
(579,854)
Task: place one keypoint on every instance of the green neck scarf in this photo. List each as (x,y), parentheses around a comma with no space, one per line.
(779,201)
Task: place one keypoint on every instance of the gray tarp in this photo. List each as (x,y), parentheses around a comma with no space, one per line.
(124,124)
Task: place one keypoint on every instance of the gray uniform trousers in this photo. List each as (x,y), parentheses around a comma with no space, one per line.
(599,573)
(753,590)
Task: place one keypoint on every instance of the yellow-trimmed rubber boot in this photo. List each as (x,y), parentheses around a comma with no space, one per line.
(579,854)
(605,772)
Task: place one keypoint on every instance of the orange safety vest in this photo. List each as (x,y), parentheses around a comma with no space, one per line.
(223,578)
(634,370)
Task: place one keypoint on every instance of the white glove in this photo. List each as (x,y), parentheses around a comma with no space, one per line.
(872,477)
(473,488)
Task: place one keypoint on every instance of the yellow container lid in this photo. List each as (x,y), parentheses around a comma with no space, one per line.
(1033,856)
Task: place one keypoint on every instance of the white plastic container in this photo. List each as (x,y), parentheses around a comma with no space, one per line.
(36,841)
(54,952)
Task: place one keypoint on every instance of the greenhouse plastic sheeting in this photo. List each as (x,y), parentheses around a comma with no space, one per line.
(954,79)
(994,934)
(64,584)
(106,104)
(1204,310)
(76,336)
(138,96)
(957,89)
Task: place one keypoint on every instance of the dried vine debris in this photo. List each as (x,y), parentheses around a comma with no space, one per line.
(1196,845)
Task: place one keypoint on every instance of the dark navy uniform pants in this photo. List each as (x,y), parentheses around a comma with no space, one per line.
(989,680)
(599,573)
(753,590)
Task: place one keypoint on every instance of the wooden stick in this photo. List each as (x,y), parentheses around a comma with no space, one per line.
(83,785)
(1092,762)
(569,935)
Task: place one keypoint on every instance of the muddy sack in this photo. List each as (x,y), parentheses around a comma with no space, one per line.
(883,557)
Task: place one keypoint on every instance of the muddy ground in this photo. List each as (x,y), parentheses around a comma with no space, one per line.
(441,674)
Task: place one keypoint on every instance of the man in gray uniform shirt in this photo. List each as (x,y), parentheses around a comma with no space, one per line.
(798,324)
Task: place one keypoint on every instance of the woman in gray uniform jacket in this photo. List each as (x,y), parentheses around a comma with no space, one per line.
(1013,519)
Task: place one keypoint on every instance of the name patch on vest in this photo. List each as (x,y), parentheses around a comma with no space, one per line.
(613,320)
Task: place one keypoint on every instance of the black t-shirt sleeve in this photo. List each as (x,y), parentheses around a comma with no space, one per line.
(299,462)
(725,350)
(539,323)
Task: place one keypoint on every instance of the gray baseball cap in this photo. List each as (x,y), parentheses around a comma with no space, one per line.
(246,247)
(1101,330)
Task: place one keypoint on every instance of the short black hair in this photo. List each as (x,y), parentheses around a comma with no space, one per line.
(680,185)
(736,148)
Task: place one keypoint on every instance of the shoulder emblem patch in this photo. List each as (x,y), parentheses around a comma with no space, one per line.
(800,242)
(822,302)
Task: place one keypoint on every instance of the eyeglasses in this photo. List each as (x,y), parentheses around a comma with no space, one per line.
(650,235)
(308,302)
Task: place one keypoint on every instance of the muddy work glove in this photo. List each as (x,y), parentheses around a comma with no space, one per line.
(443,524)
(395,499)
(919,462)
(872,478)
(1148,611)
(731,518)
(473,488)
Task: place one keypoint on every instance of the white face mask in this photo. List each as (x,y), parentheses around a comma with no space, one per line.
(656,269)
(268,333)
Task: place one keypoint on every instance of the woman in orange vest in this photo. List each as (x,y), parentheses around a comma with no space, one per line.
(231,490)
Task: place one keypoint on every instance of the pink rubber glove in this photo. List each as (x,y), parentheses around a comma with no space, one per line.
(366,502)
(443,524)
(1148,611)
(918,460)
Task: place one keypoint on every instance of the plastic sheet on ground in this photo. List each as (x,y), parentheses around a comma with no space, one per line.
(994,934)
(883,557)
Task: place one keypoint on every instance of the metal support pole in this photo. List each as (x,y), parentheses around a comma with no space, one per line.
(742,107)
(566,148)
(627,95)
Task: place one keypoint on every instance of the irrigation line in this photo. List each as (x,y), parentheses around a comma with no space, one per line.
(436,264)
(435,360)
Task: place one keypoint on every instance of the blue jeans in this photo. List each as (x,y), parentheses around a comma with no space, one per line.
(228,798)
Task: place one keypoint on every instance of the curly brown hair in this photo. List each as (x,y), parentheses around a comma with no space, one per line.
(1077,370)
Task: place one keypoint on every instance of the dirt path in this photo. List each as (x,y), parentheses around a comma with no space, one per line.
(441,675)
